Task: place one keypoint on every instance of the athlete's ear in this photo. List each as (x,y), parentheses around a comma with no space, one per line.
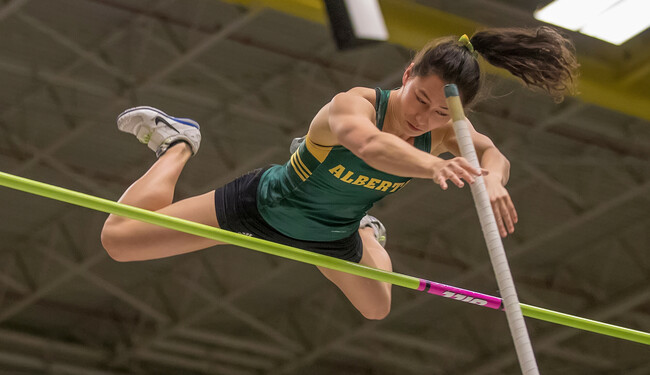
(407,74)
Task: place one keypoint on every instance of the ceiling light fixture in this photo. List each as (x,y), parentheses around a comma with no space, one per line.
(614,21)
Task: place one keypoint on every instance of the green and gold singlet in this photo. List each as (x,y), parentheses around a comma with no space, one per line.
(322,192)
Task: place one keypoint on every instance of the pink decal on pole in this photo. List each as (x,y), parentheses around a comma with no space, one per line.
(459,294)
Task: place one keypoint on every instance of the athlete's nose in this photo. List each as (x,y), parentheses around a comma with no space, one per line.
(421,119)
(432,121)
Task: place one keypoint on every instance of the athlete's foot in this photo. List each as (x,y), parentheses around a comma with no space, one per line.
(159,130)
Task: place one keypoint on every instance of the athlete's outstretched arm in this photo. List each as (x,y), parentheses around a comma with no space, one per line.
(350,121)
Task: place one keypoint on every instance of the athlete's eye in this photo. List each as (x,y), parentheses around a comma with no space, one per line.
(420,100)
(442,113)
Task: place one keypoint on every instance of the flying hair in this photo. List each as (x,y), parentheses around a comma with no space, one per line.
(541,57)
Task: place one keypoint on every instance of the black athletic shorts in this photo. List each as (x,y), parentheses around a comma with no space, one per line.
(236,206)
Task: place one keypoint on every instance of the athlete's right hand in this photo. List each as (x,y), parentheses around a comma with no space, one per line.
(455,170)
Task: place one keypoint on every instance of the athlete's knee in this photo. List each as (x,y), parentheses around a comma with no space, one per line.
(114,244)
(368,236)
(377,312)
(380,306)
(367,232)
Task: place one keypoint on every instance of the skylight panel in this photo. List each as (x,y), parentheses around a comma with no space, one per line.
(614,21)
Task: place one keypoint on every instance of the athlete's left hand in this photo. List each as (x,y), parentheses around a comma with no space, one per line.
(504,210)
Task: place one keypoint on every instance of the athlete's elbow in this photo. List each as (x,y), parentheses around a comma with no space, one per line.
(370,148)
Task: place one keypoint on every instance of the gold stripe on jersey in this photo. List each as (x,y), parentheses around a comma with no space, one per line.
(302,165)
(296,167)
(318,151)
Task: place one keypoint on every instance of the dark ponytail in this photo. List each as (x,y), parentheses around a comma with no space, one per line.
(541,57)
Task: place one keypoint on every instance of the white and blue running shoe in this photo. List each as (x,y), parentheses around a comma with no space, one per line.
(159,130)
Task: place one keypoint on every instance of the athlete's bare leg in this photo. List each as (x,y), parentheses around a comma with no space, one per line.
(129,240)
(372,298)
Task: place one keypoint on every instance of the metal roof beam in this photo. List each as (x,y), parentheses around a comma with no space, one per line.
(194,364)
(200,48)
(245,317)
(63,74)
(46,366)
(147,310)
(53,346)
(408,341)
(180,327)
(108,287)
(412,25)
(215,354)
(172,66)
(643,369)
(591,361)
(231,342)
(62,168)
(624,302)
(74,47)
(386,359)
(73,270)
(50,286)
(11,7)
(54,79)
(7,279)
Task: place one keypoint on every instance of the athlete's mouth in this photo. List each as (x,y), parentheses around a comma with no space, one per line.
(412,127)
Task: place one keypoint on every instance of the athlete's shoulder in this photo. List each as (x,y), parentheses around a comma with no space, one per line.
(365,92)
(355,100)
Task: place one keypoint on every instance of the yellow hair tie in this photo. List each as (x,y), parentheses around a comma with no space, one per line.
(464,40)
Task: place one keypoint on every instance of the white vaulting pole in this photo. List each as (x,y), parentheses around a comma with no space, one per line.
(491,234)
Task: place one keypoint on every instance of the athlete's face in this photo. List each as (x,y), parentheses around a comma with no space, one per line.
(423,104)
